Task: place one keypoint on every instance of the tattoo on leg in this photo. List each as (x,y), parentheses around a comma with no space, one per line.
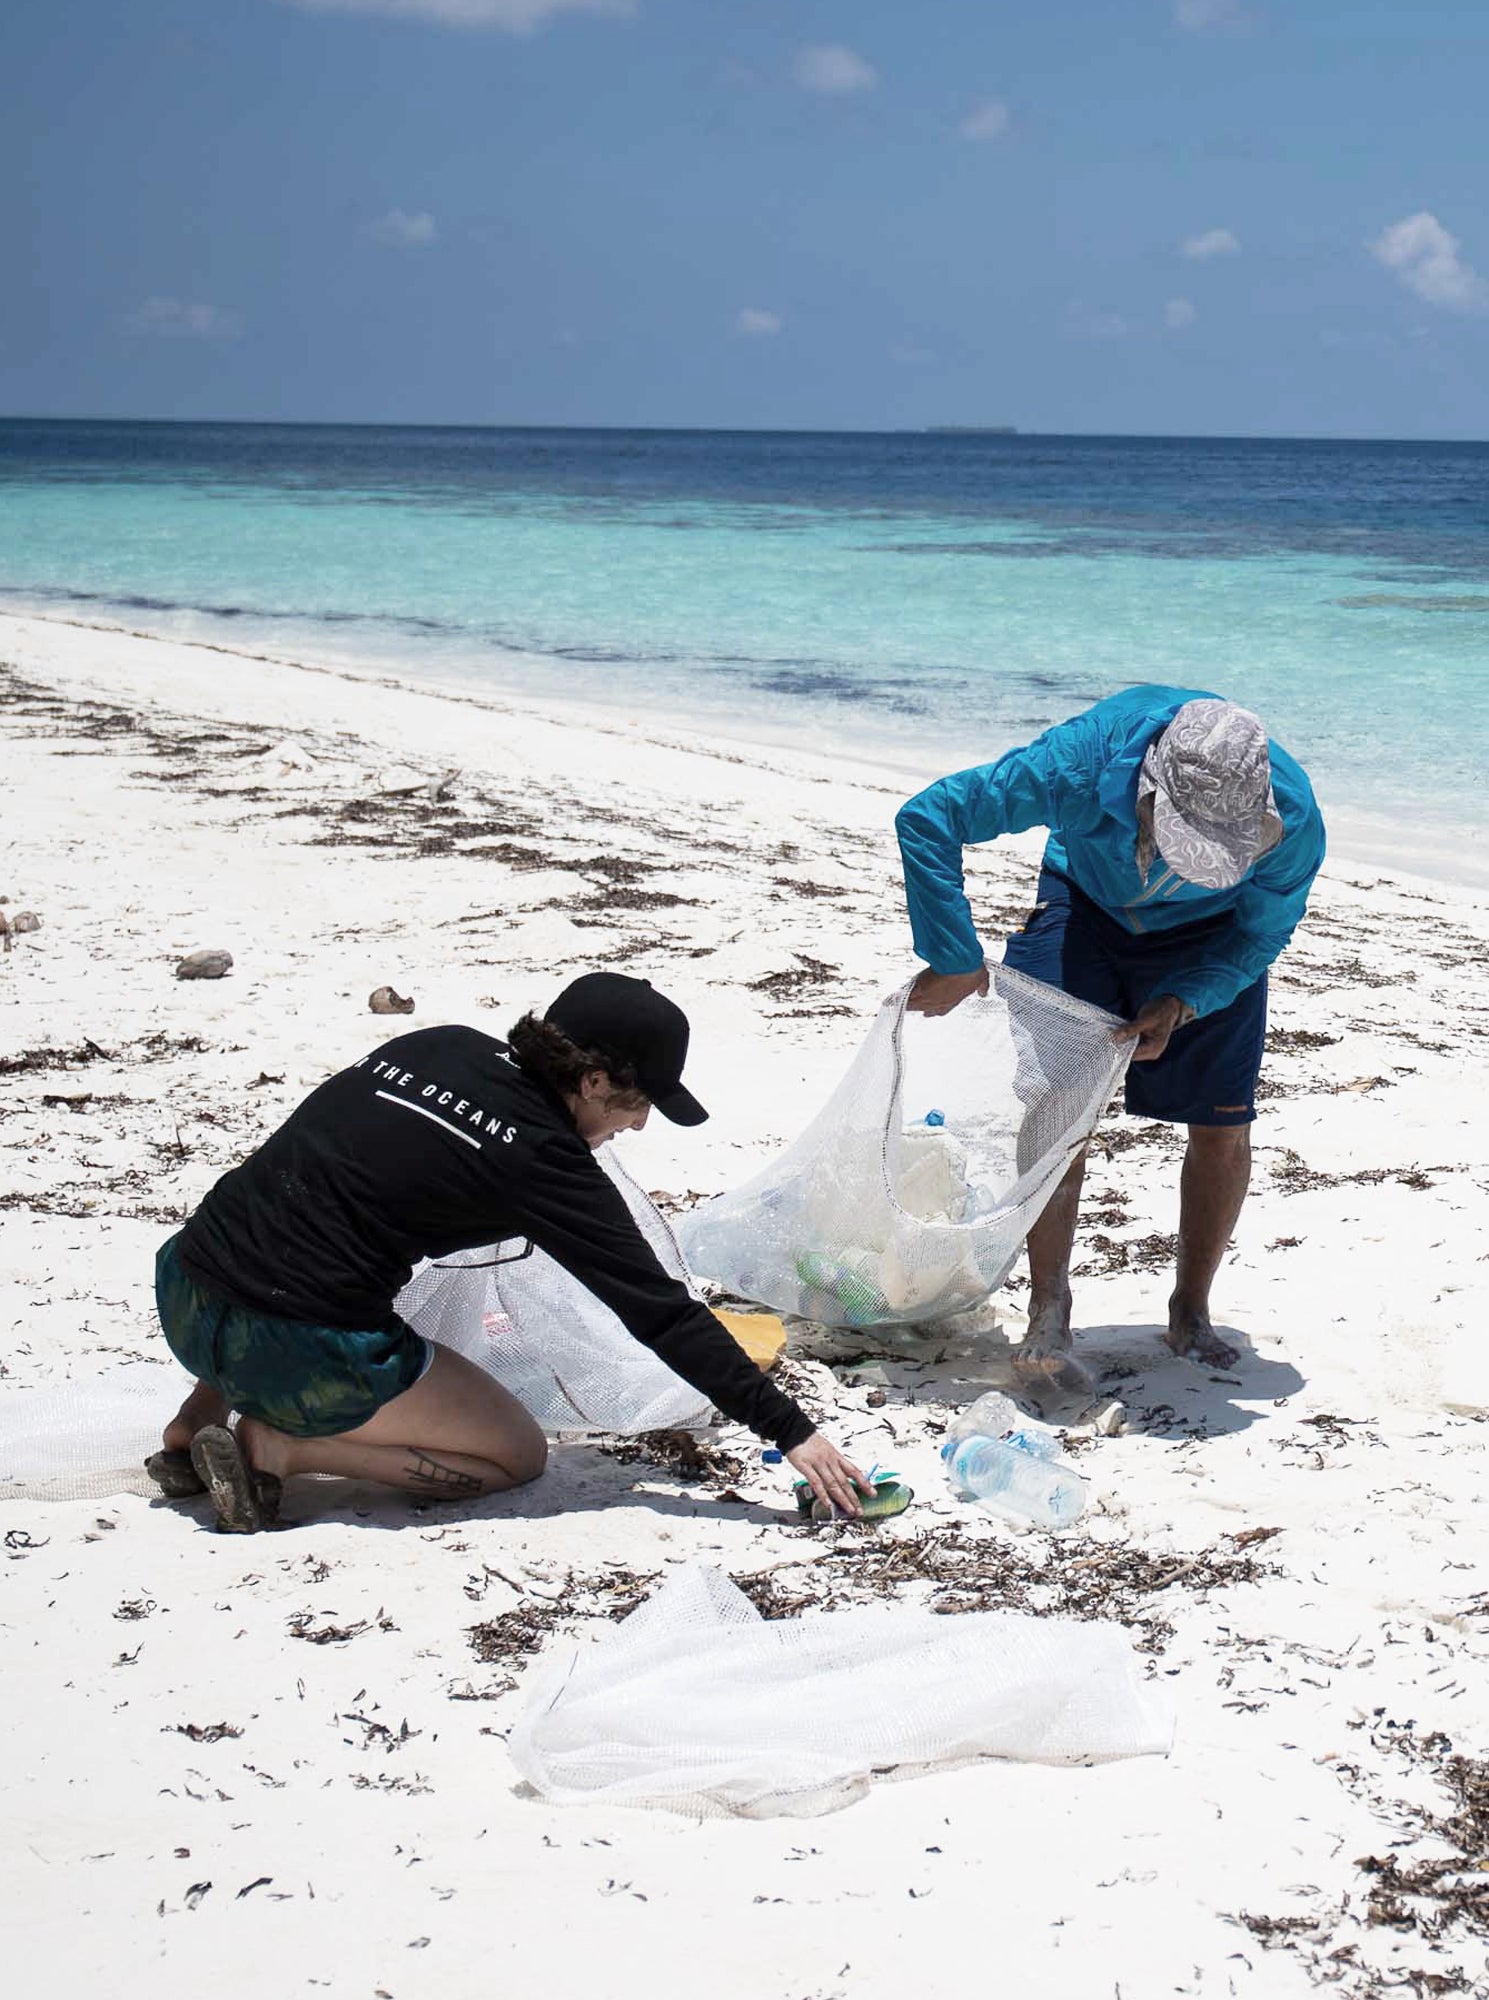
(443,1481)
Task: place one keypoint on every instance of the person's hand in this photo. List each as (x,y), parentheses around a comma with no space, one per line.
(939,992)
(831,1477)
(1153,1026)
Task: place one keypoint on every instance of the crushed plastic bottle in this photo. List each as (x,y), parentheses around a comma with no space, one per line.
(1008,1480)
(997,1416)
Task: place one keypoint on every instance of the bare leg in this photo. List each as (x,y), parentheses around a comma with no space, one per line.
(454,1435)
(202,1407)
(1212,1189)
(1044,1356)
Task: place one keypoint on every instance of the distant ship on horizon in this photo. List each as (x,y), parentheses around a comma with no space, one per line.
(970,430)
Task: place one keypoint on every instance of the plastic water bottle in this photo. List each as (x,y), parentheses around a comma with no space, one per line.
(1011,1481)
(995,1415)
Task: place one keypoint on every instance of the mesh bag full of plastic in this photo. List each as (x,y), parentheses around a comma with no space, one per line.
(697,1703)
(909,1195)
(545,1337)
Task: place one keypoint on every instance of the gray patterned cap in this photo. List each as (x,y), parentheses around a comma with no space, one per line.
(1210,774)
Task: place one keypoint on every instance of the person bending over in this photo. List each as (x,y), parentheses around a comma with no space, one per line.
(277,1295)
(1182,846)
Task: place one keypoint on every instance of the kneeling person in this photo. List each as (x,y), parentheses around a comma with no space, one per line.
(278,1294)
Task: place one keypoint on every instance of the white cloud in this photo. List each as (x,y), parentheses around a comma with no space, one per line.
(515,17)
(1210,243)
(988,121)
(185,319)
(1424,256)
(1209,13)
(404,228)
(1179,313)
(758,323)
(833,70)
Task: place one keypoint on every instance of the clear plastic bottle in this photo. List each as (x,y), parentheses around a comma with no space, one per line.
(1002,1476)
(995,1415)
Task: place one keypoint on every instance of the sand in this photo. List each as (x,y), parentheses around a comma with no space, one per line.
(278,1764)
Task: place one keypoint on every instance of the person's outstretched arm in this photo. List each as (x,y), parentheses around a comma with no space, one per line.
(1023,789)
(574,1212)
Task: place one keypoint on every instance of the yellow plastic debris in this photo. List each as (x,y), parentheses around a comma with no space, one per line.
(761,1335)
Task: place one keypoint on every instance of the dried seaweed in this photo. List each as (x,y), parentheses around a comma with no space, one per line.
(1122,1138)
(950,1569)
(807,971)
(1290,1041)
(1439,1900)
(512,1637)
(1154,1252)
(1294,1175)
(693,1459)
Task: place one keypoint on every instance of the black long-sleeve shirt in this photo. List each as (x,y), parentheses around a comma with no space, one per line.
(439,1142)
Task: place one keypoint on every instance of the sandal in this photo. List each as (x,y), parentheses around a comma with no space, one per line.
(243,1500)
(175,1475)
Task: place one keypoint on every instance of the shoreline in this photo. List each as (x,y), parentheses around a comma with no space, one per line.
(1444,860)
(287,1756)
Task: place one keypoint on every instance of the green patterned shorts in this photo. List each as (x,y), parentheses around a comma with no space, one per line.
(305,1380)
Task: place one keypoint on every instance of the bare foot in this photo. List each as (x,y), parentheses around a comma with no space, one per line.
(1043,1359)
(1190,1333)
(1048,1331)
(202,1407)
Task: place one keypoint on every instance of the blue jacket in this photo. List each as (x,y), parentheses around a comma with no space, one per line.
(1080,780)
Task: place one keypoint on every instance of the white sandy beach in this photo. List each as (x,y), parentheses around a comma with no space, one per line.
(1301,1546)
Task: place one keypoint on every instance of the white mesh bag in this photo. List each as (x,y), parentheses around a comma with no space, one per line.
(909,1195)
(87,1439)
(565,1357)
(697,1703)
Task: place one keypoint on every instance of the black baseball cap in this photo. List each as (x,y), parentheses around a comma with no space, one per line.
(630,1021)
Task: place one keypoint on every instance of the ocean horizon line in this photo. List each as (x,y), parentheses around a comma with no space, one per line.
(948,433)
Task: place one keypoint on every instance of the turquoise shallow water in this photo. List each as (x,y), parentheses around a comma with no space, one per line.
(928,600)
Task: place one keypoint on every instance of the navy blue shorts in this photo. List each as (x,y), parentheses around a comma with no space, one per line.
(1207,1074)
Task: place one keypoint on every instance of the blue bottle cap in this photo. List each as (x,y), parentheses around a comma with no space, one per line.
(935,1118)
(771,1456)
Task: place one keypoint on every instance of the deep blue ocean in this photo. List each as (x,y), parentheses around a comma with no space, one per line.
(921,599)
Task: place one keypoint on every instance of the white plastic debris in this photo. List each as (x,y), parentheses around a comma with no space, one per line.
(696,1703)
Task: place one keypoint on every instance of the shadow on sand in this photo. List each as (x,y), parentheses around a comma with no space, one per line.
(1162,1395)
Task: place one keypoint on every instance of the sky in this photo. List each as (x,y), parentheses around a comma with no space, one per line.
(1143,216)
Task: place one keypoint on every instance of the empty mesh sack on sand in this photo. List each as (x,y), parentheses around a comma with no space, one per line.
(545,1337)
(909,1195)
(697,1703)
(87,1440)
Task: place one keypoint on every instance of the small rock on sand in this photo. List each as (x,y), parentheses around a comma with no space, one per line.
(386,1001)
(205,965)
(25,920)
